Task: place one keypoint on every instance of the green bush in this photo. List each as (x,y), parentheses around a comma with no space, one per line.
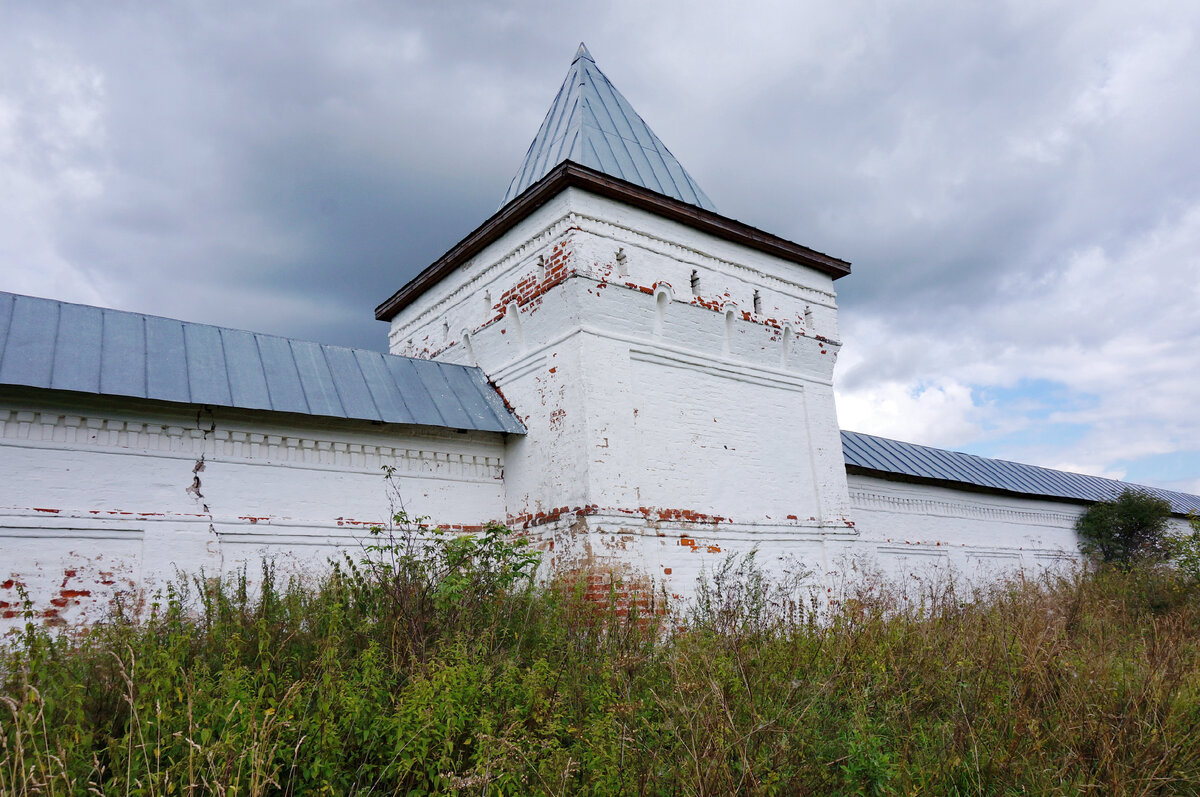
(1124,530)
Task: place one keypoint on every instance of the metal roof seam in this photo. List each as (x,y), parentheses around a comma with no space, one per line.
(1019,477)
(519,177)
(370,395)
(656,153)
(481,387)
(531,165)
(918,461)
(937,465)
(453,394)
(187,373)
(12,306)
(332,381)
(58,319)
(399,392)
(100,359)
(455,388)
(537,154)
(225,356)
(979,471)
(552,148)
(561,125)
(299,377)
(145,354)
(667,169)
(262,360)
(419,378)
(577,141)
(475,388)
(625,142)
(612,121)
(422,378)
(903,465)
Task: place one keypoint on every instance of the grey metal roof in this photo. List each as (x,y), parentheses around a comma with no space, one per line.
(591,124)
(908,459)
(61,346)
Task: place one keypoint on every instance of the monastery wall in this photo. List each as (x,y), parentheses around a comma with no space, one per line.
(976,535)
(104,496)
(906,526)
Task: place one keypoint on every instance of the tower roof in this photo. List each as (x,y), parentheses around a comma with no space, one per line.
(591,124)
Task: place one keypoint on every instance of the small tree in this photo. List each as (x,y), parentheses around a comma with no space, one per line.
(1128,528)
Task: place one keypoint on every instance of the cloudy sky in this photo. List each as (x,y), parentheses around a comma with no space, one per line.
(1016,184)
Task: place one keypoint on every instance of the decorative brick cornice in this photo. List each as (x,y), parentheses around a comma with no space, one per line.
(870,499)
(61,430)
(690,255)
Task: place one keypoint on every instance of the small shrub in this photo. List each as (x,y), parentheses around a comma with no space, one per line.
(427,582)
(1124,530)
(737,596)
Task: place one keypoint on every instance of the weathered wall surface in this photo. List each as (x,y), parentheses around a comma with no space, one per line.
(676,388)
(907,526)
(100,496)
(677,392)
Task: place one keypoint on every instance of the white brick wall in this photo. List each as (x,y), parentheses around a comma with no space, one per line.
(976,534)
(104,495)
(661,407)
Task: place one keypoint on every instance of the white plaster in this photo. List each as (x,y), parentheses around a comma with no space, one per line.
(101,495)
(979,534)
(643,402)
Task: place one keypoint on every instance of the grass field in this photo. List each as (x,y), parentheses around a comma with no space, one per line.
(451,673)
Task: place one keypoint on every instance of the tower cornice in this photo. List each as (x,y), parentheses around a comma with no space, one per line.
(572,175)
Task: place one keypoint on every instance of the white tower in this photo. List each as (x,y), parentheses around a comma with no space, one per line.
(673,366)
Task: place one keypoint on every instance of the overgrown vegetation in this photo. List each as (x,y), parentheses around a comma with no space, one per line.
(1184,551)
(446,670)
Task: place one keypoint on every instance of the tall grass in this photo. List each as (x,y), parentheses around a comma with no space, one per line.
(411,676)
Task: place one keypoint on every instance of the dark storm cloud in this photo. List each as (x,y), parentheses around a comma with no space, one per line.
(259,157)
(996,173)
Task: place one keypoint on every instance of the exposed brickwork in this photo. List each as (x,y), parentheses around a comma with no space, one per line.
(626,595)
(686,515)
(687,542)
(528,520)
(558,265)
(654,515)
(554,269)
(82,590)
(530,288)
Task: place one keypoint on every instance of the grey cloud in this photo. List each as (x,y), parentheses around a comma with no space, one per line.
(286,169)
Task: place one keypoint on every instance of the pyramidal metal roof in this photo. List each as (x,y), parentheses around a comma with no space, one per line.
(869,452)
(61,346)
(591,124)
